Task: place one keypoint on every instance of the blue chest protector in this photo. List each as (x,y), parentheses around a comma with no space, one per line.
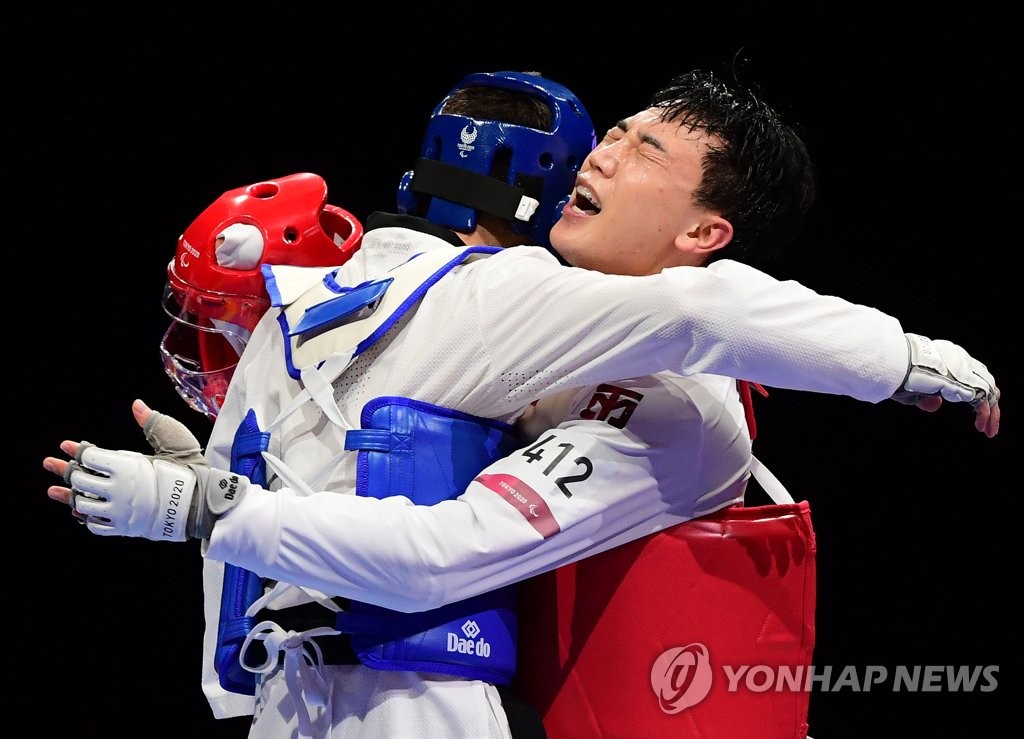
(429,454)
(241,588)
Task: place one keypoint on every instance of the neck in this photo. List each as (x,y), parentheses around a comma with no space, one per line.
(492,234)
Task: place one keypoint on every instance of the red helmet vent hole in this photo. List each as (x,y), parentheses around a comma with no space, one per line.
(264,190)
(291,235)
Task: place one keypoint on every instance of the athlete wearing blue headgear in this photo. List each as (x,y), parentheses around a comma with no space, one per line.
(520,169)
(383,382)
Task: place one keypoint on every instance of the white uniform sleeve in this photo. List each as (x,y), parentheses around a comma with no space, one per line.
(576,491)
(727,319)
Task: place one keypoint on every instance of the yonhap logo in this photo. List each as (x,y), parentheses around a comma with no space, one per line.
(681,677)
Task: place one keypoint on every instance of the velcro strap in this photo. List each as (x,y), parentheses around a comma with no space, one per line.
(253,443)
(471,189)
(376,440)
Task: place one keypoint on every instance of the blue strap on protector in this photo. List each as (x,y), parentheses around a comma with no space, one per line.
(425,452)
(430,454)
(351,304)
(473,639)
(241,587)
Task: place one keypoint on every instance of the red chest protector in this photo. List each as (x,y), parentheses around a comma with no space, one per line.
(740,582)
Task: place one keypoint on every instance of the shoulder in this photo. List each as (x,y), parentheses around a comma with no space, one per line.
(285,283)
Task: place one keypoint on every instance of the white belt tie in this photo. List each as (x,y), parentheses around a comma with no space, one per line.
(302,660)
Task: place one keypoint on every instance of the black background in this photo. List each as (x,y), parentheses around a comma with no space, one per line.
(125,127)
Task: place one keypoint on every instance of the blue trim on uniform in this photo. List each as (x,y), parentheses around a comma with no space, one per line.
(396,315)
(419,292)
(289,365)
(273,290)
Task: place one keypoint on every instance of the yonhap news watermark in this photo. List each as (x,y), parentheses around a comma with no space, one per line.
(682,677)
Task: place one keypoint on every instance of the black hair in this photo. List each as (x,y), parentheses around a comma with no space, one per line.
(757,174)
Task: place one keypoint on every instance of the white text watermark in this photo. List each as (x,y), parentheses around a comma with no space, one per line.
(682,677)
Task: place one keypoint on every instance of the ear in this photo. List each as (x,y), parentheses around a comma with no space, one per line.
(711,234)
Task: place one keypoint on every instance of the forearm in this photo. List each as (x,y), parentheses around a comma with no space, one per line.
(387,551)
(727,319)
(782,334)
(407,557)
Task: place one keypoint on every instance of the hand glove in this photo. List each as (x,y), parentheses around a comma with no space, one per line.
(945,369)
(170,439)
(124,493)
(170,496)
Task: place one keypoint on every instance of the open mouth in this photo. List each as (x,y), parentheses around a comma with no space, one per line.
(584,201)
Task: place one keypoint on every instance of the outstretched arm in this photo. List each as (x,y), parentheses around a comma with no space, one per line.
(726,319)
(941,370)
(526,514)
(514,520)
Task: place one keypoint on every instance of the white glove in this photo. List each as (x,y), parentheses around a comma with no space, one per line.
(125,493)
(943,368)
(170,496)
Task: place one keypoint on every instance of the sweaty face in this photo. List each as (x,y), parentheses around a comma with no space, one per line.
(632,209)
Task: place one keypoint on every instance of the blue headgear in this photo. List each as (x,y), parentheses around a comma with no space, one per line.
(451,181)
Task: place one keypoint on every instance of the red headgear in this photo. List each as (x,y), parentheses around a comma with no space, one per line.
(215,290)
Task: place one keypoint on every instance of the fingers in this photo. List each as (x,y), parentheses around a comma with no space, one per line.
(56,466)
(141,412)
(929,403)
(76,474)
(92,473)
(986,419)
(982,415)
(64,496)
(987,413)
(70,448)
(96,459)
(93,508)
(63,469)
(82,506)
(171,439)
(59,494)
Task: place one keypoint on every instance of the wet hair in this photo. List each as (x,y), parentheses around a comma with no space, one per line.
(758,175)
(499,104)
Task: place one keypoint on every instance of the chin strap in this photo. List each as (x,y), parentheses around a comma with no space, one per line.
(473,190)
